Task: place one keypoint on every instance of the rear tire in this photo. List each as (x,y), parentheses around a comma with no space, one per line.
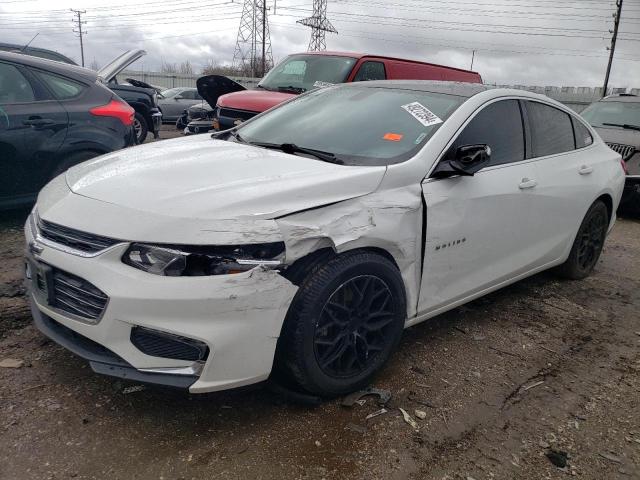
(345,320)
(71,160)
(588,243)
(140,127)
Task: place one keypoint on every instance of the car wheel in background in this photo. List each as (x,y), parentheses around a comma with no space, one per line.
(140,127)
(588,244)
(344,322)
(71,160)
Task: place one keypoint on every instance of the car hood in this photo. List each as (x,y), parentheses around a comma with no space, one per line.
(210,87)
(619,135)
(200,177)
(109,71)
(254,100)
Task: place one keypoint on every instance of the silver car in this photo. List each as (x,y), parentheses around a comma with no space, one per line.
(174,101)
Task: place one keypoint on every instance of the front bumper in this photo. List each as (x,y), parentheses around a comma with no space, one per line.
(238,317)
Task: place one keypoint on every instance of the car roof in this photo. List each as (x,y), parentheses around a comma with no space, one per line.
(358,56)
(36,52)
(79,73)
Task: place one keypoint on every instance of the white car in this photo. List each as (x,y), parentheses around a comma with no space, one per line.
(304,241)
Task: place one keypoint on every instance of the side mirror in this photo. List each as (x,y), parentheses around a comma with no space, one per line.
(466,161)
(177,97)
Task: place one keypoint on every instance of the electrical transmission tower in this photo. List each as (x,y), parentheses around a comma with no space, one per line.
(78,21)
(253,55)
(319,26)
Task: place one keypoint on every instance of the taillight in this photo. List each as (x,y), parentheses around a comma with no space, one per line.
(624,166)
(120,110)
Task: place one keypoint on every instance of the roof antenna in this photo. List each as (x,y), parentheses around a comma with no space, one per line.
(29,43)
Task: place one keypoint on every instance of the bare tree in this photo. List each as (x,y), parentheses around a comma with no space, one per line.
(213,67)
(186,67)
(167,67)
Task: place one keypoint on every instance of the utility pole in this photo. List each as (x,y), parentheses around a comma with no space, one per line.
(79,32)
(473,56)
(613,46)
(264,35)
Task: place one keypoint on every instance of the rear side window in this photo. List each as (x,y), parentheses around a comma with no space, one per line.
(498,125)
(62,88)
(370,71)
(14,87)
(551,130)
(583,136)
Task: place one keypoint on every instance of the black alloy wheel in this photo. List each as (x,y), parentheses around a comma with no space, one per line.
(353,326)
(588,244)
(344,322)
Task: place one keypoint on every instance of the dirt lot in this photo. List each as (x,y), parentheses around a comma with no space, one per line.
(544,365)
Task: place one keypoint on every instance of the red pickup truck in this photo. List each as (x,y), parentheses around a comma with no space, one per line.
(300,72)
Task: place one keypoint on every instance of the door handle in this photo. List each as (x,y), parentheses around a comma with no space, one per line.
(585,170)
(38,122)
(527,183)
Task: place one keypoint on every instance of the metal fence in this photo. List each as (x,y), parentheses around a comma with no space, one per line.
(576,98)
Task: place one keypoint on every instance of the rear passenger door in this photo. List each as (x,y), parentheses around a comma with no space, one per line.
(478,226)
(566,178)
(32,128)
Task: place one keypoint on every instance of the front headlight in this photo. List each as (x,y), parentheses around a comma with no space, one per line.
(193,261)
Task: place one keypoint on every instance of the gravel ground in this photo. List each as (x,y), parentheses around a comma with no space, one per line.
(543,366)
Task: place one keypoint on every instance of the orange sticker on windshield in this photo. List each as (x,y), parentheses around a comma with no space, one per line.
(393,137)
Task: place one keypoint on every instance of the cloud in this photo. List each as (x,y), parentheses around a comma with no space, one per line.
(545,46)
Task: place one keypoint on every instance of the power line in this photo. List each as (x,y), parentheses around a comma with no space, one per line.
(253,31)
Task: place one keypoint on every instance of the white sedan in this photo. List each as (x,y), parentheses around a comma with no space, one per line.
(301,243)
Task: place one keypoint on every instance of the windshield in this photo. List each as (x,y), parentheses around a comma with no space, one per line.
(299,73)
(171,92)
(359,125)
(620,113)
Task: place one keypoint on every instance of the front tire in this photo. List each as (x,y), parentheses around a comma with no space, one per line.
(344,322)
(140,127)
(588,244)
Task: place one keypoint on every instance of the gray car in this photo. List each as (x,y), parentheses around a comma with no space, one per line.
(174,101)
(616,118)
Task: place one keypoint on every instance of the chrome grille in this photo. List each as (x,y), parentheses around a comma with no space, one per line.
(75,239)
(76,296)
(626,151)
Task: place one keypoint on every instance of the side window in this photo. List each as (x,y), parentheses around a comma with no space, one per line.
(14,87)
(551,130)
(197,96)
(582,134)
(370,71)
(188,95)
(63,88)
(498,125)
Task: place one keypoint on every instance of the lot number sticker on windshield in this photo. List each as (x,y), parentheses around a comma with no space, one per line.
(421,113)
(320,84)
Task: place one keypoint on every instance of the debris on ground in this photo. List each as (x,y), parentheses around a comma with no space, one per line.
(533,385)
(558,457)
(355,428)
(421,414)
(419,401)
(409,419)
(133,389)
(11,363)
(377,413)
(610,457)
(383,396)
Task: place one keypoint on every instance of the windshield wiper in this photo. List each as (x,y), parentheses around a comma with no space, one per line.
(293,89)
(292,148)
(626,126)
(264,88)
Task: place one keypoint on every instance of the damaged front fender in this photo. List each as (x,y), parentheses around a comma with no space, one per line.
(390,220)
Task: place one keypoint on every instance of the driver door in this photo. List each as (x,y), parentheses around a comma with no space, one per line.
(478,228)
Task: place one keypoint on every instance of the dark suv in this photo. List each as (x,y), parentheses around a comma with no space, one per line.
(52,116)
(616,118)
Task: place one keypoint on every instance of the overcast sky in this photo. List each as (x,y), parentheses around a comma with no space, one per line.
(529,42)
